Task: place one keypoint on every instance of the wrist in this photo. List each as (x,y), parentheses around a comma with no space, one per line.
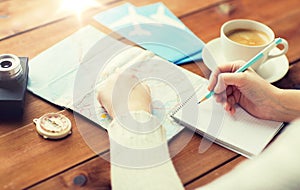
(277,107)
(133,106)
(270,107)
(136,127)
(114,115)
(139,108)
(288,105)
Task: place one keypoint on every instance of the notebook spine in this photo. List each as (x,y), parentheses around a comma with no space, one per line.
(176,109)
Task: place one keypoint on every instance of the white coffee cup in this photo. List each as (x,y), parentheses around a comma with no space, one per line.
(244,48)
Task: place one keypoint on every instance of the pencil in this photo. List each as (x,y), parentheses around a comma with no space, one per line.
(248,64)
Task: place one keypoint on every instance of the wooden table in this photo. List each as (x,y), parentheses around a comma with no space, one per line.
(30,27)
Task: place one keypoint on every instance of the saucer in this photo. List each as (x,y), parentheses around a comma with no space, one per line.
(273,70)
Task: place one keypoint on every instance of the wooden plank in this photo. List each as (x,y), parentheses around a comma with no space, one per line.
(179,8)
(292,78)
(96,172)
(19,15)
(287,26)
(215,174)
(27,158)
(34,108)
(189,163)
(198,68)
(35,41)
(34,13)
(206,24)
(210,21)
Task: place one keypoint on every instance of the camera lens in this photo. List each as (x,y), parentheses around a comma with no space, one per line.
(10,67)
(6,64)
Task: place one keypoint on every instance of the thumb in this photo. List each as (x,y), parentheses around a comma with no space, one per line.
(226,79)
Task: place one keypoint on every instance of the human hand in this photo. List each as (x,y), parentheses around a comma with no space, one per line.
(247,89)
(124,92)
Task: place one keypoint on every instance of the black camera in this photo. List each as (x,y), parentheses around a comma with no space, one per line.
(13,83)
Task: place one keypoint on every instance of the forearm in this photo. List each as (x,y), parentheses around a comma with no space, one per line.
(288,107)
(141,160)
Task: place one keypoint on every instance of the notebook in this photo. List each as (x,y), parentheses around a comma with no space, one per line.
(241,132)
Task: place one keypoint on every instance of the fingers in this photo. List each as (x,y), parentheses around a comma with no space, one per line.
(213,79)
(230,79)
(229,108)
(140,98)
(228,102)
(123,92)
(229,99)
(231,67)
(224,68)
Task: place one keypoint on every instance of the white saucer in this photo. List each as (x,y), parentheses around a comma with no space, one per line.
(273,70)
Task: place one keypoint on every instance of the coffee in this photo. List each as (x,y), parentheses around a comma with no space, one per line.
(248,37)
(234,34)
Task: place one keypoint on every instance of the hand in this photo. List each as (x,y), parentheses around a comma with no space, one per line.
(124,91)
(247,89)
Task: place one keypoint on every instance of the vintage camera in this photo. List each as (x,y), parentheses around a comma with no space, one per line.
(13,83)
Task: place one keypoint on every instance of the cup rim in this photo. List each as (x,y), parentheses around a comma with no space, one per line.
(269,32)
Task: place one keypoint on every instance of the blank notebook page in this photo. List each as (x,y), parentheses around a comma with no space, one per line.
(240,132)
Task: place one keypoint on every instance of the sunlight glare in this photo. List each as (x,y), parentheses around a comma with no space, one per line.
(78,6)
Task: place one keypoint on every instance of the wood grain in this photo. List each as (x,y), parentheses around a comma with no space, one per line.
(33,42)
(34,108)
(96,173)
(215,174)
(34,13)
(285,25)
(27,158)
(188,163)
(180,8)
(292,78)
(19,15)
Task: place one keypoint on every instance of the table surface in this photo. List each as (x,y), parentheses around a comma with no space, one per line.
(29,27)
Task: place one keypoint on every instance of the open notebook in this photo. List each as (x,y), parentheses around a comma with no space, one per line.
(240,132)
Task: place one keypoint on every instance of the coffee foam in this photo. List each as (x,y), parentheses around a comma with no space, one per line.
(248,37)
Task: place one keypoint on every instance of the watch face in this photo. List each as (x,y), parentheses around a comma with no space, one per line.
(53,126)
(54,123)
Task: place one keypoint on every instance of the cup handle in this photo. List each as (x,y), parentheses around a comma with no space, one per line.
(282,51)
